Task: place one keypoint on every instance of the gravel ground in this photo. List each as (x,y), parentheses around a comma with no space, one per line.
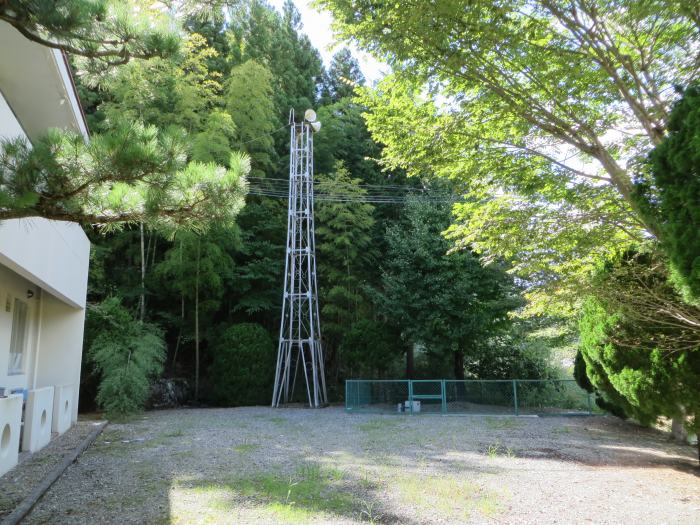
(259,465)
(16,484)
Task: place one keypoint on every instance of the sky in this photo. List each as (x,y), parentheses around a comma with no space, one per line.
(317,25)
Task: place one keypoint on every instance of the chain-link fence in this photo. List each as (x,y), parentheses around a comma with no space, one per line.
(476,396)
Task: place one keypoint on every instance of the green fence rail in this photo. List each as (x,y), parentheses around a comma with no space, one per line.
(474,396)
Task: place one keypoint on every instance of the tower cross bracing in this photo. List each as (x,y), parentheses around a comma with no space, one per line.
(300,352)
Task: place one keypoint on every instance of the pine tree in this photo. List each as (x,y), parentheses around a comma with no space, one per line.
(104,30)
(131,174)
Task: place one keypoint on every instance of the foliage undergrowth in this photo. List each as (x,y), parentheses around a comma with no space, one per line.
(127,354)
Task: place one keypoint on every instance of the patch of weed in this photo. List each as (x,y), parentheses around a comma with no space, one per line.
(277,420)
(502,423)
(562,430)
(455,498)
(246,448)
(488,505)
(496,449)
(309,492)
(369,512)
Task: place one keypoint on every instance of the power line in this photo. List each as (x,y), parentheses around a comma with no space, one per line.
(348,198)
(369,193)
(361,185)
(264,135)
(324,186)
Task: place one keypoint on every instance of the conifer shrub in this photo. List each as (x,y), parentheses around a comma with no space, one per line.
(127,354)
(243,367)
(670,194)
(638,351)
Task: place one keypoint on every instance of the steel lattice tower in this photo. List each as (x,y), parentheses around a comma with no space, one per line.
(300,331)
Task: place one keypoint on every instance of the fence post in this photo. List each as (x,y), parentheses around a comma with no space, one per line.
(590,406)
(347,399)
(515,396)
(444,396)
(410,394)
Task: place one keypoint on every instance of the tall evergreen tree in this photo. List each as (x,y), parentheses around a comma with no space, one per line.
(344,75)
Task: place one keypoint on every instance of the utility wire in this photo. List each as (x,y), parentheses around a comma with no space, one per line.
(369,193)
(368,198)
(265,135)
(283,185)
(361,185)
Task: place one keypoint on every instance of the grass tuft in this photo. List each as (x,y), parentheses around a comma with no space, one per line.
(246,448)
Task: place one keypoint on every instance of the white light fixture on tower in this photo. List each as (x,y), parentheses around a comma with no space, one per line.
(310,117)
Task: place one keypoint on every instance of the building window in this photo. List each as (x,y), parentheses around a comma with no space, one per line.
(18,341)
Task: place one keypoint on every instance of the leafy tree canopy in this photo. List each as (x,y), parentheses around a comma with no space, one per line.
(249,99)
(540,108)
(345,255)
(447,301)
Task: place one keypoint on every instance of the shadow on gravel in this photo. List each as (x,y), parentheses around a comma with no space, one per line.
(617,455)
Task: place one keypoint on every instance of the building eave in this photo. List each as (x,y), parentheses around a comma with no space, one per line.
(37,83)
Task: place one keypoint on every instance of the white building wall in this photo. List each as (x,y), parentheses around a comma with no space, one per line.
(53,254)
(59,347)
(9,125)
(67,79)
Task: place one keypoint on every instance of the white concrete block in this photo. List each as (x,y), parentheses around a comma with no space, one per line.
(10,426)
(38,414)
(62,408)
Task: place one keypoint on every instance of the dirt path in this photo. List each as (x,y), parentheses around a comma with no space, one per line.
(258,465)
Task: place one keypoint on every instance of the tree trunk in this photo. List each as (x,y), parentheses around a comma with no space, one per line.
(409,361)
(155,249)
(459,364)
(182,312)
(142,298)
(196,329)
(622,181)
(678,431)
